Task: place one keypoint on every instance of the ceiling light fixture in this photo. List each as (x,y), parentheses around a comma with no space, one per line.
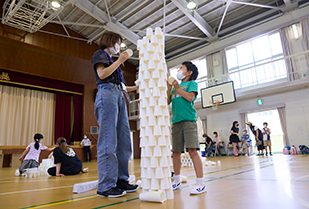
(191,5)
(55,4)
(123,45)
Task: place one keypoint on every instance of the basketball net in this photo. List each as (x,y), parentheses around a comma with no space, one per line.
(214,104)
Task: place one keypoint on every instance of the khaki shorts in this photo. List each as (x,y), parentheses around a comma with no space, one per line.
(184,135)
(267,143)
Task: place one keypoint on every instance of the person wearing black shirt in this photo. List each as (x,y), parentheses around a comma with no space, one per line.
(234,137)
(258,138)
(209,145)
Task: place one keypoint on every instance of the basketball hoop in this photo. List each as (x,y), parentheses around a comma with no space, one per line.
(215,104)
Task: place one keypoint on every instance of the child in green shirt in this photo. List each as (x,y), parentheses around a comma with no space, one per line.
(184,129)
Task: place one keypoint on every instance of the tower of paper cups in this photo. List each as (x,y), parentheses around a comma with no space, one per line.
(154,119)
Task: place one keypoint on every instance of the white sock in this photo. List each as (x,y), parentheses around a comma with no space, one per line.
(177,178)
(200,182)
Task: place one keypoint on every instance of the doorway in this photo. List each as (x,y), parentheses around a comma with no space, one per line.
(274,124)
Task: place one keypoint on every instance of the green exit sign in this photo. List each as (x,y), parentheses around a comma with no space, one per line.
(259,102)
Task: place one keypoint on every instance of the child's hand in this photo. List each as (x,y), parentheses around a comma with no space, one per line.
(21,158)
(175,84)
(60,175)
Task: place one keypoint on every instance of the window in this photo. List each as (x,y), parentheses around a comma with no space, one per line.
(243,58)
(202,69)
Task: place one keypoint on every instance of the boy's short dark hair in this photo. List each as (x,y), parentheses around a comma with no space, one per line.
(191,67)
(265,123)
(204,135)
(215,133)
(109,39)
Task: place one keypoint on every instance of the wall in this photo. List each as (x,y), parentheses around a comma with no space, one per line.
(57,58)
(297,113)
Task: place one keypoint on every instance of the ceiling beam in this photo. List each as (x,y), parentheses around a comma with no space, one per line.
(196,19)
(289,6)
(97,13)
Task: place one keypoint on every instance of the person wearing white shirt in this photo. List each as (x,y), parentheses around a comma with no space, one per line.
(266,138)
(86,143)
(218,142)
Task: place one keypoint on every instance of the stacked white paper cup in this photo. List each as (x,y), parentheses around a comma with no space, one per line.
(154,119)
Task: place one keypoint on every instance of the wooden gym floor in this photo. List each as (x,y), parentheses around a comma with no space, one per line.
(251,182)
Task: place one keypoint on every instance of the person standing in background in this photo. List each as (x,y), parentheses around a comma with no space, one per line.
(258,137)
(234,137)
(266,138)
(86,144)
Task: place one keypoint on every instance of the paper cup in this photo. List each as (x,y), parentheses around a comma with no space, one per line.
(162,102)
(167,172)
(143,172)
(153,162)
(159,173)
(160,67)
(156,57)
(161,141)
(143,142)
(157,151)
(142,132)
(149,112)
(154,184)
(157,130)
(149,131)
(157,111)
(163,162)
(170,161)
(142,51)
(151,121)
(155,74)
(147,93)
(147,76)
(166,151)
(161,43)
(165,112)
(154,40)
(166,131)
(150,48)
(143,152)
(156,92)
(151,65)
(145,183)
(164,93)
(148,151)
(149,32)
(152,196)
(160,119)
(158,50)
(145,41)
(164,74)
(150,173)
(161,84)
(152,83)
(130,52)
(158,32)
(147,57)
(164,184)
(139,44)
(152,141)
(171,79)
(144,103)
(152,102)
(168,140)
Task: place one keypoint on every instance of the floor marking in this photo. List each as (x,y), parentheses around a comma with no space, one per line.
(60,202)
(35,190)
(287,189)
(223,177)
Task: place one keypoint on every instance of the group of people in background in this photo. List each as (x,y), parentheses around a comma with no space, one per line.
(262,139)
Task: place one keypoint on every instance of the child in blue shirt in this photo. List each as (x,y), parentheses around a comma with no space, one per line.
(245,142)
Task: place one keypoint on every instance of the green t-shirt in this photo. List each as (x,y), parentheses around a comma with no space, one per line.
(182,109)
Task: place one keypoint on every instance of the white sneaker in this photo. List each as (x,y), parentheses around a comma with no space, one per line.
(17,173)
(176,185)
(198,190)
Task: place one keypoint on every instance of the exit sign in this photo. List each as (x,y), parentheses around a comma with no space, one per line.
(259,102)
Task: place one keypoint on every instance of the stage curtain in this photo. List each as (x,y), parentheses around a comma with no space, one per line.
(24,112)
(63,116)
(78,116)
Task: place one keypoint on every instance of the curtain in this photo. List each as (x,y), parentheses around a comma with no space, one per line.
(78,116)
(210,69)
(23,113)
(282,116)
(305,38)
(287,50)
(63,116)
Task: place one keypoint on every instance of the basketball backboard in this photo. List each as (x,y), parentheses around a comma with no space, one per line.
(224,93)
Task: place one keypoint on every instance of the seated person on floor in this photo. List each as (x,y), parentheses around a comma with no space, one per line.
(210,145)
(67,162)
(30,157)
(245,143)
(218,142)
